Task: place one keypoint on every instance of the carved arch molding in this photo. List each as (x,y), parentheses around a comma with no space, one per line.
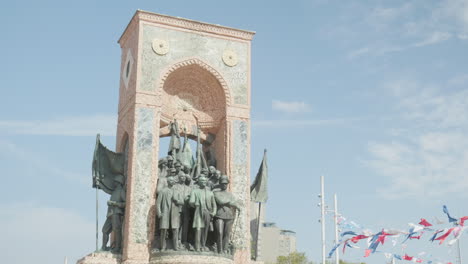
(191,92)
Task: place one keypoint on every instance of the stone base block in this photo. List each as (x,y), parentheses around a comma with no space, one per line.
(101,257)
(188,259)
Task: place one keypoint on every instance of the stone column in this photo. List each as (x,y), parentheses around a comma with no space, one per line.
(141,186)
(239,170)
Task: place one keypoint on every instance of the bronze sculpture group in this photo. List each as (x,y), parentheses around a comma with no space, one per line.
(193,202)
(194,210)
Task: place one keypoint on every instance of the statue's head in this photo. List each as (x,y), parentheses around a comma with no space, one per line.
(172,172)
(224,181)
(182,178)
(170,160)
(202,180)
(218,174)
(170,181)
(188,179)
(212,169)
(177,165)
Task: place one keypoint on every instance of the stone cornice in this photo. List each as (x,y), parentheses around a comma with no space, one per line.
(193,25)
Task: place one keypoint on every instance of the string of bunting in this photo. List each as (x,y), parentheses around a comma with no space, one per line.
(350,238)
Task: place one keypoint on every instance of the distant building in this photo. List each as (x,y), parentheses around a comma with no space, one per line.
(287,242)
(276,242)
(272,241)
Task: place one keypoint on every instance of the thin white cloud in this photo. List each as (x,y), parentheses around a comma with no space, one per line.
(459,80)
(359,52)
(430,158)
(297,123)
(48,233)
(65,126)
(290,106)
(463,36)
(38,164)
(434,38)
(381,16)
(407,26)
(434,165)
(456,10)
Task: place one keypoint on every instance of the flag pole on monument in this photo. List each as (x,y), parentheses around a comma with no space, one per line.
(96,180)
(259,194)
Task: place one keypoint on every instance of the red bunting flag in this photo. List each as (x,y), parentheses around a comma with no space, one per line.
(444,236)
(406,257)
(355,239)
(424,222)
(462,220)
(367,253)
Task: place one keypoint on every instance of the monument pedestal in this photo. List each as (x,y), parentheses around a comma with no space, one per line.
(101,257)
(189,258)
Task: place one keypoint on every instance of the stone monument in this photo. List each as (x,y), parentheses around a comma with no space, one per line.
(182,79)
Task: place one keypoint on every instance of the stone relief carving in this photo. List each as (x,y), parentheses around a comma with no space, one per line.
(160,46)
(230,58)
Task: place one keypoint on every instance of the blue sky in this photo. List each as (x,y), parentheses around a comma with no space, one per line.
(371,94)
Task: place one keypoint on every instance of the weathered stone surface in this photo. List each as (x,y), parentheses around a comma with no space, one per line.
(142,175)
(190,259)
(100,257)
(241,181)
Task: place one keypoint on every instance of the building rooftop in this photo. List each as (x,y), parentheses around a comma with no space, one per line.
(269,224)
(288,232)
(188,24)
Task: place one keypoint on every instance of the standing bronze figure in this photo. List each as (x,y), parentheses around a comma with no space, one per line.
(225,214)
(168,202)
(202,199)
(115,212)
(184,188)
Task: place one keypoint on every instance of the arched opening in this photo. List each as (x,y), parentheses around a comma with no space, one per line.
(195,94)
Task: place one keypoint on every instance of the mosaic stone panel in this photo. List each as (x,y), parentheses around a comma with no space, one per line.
(241,180)
(142,175)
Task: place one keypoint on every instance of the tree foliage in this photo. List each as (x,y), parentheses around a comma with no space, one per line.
(346,262)
(300,258)
(293,258)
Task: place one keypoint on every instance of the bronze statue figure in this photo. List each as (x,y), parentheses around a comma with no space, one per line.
(168,210)
(115,212)
(184,188)
(174,145)
(202,199)
(225,214)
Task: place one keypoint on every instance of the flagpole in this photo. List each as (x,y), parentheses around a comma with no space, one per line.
(96,174)
(258,229)
(97,223)
(337,254)
(459,252)
(322,220)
